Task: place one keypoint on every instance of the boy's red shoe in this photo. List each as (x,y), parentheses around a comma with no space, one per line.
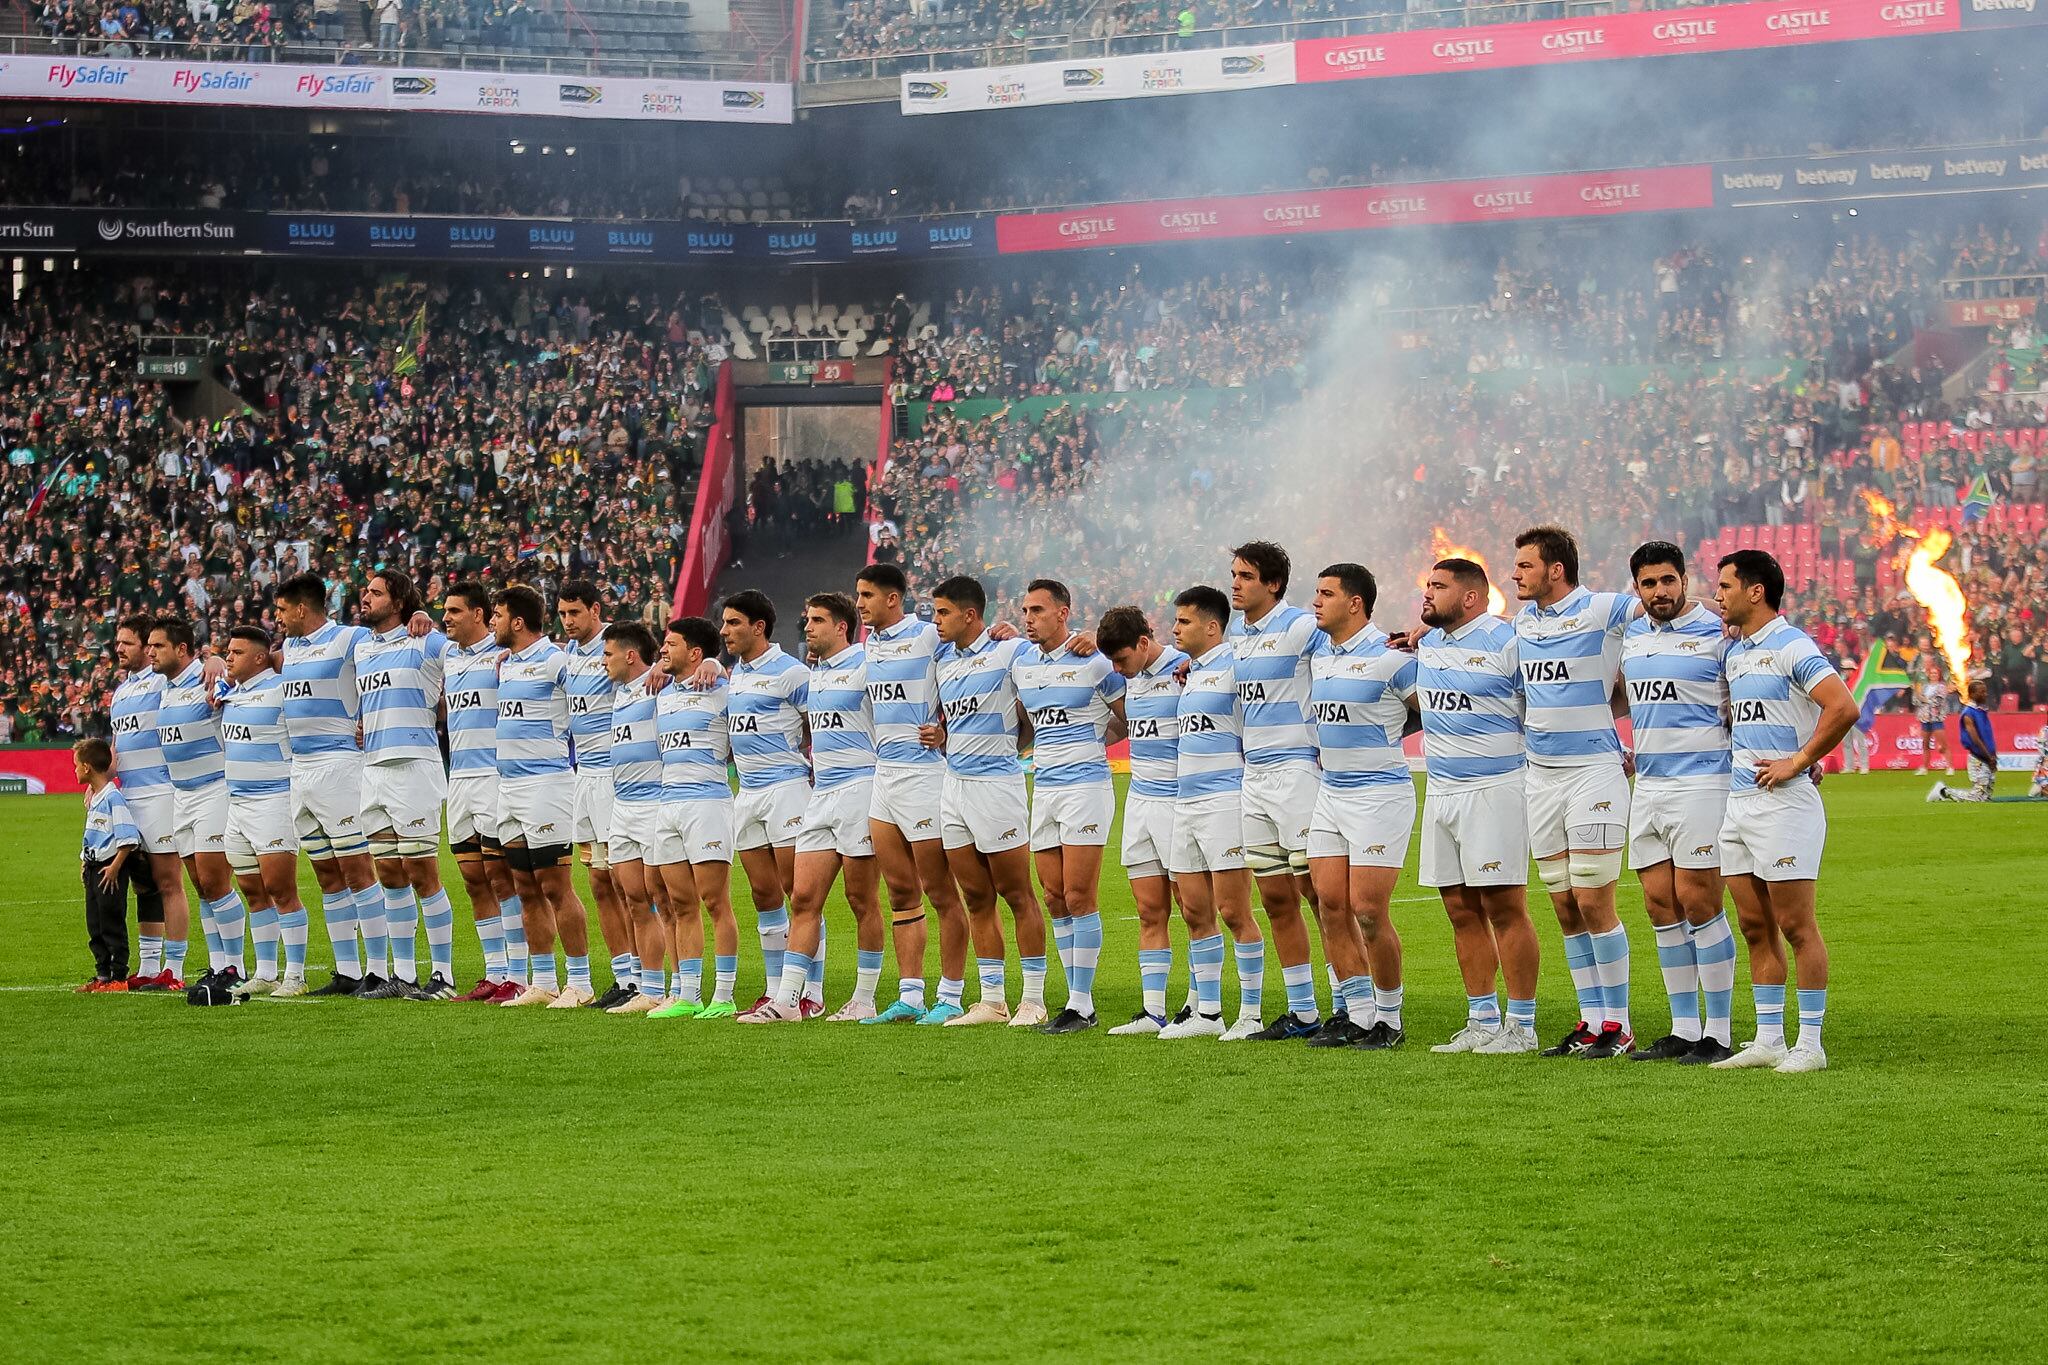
(114,987)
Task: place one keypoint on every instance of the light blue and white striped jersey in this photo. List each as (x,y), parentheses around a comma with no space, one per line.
(1068,699)
(766,712)
(1469,682)
(842,721)
(978,692)
(470,675)
(190,730)
(903,689)
(695,743)
(1771,677)
(1211,714)
(109,825)
(590,703)
(1273,679)
(533,711)
(320,697)
(1677,699)
(1152,708)
(399,680)
(636,742)
(1571,659)
(259,753)
(1359,697)
(138,749)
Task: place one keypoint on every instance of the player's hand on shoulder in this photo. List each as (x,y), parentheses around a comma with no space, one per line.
(420,626)
(1182,669)
(707,675)
(1082,644)
(1002,630)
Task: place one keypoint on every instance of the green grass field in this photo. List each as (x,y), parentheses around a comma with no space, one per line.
(344,1180)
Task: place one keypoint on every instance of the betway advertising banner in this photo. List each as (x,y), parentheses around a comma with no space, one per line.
(387,89)
(2002,13)
(1102,78)
(1435,203)
(1659,33)
(1880,175)
(570,241)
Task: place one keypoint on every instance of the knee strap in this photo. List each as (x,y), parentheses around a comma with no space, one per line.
(597,857)
(1297,860)
(1556,874)
(417,848)
(382,847)
(907,921)
(1591,871)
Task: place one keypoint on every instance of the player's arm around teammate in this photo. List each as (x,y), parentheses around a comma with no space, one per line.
(635,774)
(470,707)
(261,845)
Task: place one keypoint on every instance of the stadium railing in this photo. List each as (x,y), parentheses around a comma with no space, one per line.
(1059,47)
(769,66)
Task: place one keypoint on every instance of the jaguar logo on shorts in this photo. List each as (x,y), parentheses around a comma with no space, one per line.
(548,828)
(1493,866)
(345,822)
(216,839)
(1703,850)
(716,843)
(1010,833)
(792,822)
(275,843)
(1235,852)
(1375,849)
(1304,831)
(1787,861)
(1603,805)
(416,824)
(923,824)
(1091,828)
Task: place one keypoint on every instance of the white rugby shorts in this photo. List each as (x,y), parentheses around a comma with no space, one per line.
(1278,802)
(156,817)
(908,798)
(988,813)
(1776,835)
(592,820)
(836,821)
(259,827)
(1148,836)
(405,798)
(199,819)
(1565,799)
(473,808)
(1476,836)
(1366,826)
(692,832)
(1680,825)
(541,809)
(770,816)
(1208,834)
(633,831)
(1078,816)
(327,804)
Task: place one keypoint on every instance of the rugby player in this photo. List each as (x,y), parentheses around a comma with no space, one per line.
(767,693)
(189,730)
(903,692)
(261,846)
(321,706)
(1577,787)
(836,835)
(630,655)
(1076,707)
(1672,663)
(162,914)
(693,833)
(1275,644)
(1475,830)
(1791,709)
(1361,696)
(399,681)
(470,678)
(1152,688)
(581,608)
(983,815)
(536,797)
(1208,858)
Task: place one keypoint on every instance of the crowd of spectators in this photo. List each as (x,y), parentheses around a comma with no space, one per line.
(1368,454)
(265,30)
(509,433)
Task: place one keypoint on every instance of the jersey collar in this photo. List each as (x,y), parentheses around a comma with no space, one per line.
(267,676)
(1566,605)
(1368,634)
(1215,653)
(842,659)
(1164,663)
(1272,618)
(1691,616)
(766,657)
(981,643)
(1475,623)
(391,636)
(191,674)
